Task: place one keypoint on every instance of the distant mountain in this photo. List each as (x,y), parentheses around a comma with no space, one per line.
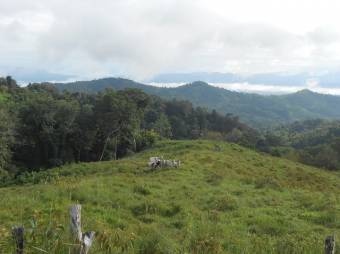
(27,75)
(98,85)
(256,110)
(328,79)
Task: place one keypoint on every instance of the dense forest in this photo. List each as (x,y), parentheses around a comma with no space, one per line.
(312,142)
(42,127)
(256,110)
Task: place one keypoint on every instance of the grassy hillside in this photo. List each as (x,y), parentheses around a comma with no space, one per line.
(224,199)
(253,109)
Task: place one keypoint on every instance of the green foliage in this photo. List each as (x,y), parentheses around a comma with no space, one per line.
(8,83)
(253,109)
(313,142)
(53,128)
(154,242)
(162,126)
(6,137)
(260,204)
(146,139)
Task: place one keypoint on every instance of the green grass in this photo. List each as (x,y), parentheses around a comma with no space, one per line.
(228,200)
(3,96)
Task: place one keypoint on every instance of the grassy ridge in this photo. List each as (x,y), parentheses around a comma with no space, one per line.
(224,199)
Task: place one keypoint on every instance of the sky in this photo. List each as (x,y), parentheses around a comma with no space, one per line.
(87,39)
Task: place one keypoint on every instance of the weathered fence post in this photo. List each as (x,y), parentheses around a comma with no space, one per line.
(18,236)
(330,244)
(85,239)
(75,214)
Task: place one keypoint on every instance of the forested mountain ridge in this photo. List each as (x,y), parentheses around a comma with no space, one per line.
(256,110)
(98,85)
(41,127)
(326,79)
(312,142)
(63,127)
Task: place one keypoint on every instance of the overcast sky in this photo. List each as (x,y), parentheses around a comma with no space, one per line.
(142,38)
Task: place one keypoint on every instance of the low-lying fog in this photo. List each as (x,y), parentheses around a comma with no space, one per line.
(261,89)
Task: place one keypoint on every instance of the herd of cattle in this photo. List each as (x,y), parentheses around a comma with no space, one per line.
(159,162)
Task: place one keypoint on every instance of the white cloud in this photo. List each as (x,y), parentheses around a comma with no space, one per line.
(138,39)
(262,88)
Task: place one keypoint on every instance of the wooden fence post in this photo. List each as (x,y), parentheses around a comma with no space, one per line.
(18,236)
(330,244)
(75,214)
(85,239)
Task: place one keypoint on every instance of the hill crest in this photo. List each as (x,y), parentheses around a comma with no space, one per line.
(256,110)
(233,198)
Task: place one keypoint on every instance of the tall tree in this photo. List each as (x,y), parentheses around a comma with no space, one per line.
(6,137)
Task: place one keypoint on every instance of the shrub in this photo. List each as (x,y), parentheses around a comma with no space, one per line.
(146,139)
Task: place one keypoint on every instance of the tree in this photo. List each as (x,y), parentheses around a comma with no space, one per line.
(6,138)
(336,145)
(44,126)
(202,121)
(11,83)
(162,126)
(117,117)
(234,136)
(66,112)
(53,128)
(83,133)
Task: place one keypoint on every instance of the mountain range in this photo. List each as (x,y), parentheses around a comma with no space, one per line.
(325,79)
(253,109)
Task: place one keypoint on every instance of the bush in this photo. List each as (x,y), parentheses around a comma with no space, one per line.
(146,139)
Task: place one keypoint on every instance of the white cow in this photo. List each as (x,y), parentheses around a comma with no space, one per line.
(154,162)
(158,162)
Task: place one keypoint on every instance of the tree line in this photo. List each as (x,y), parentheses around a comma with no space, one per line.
(41,127)
(312,142)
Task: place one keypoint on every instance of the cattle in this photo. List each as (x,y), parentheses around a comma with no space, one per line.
(154,162)
(159,162)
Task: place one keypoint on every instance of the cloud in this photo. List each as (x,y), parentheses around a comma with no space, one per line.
(139,39)
(263,89)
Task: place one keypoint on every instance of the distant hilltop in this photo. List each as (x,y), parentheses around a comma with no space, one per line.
(256,110)
(328,79)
